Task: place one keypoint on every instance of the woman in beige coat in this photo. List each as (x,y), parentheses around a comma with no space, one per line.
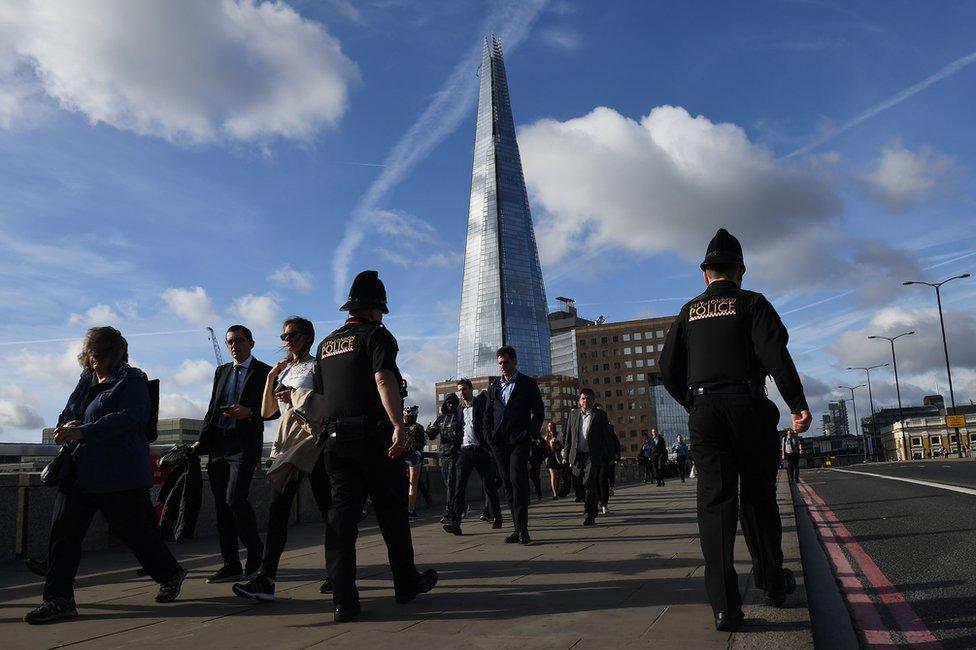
(289,386)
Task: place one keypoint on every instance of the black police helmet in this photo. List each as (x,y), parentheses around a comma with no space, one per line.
(367,292)
(723,250)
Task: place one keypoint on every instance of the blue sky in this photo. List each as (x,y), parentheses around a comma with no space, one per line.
(169,166)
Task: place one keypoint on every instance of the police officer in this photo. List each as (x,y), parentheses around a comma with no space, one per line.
(364,439)
(715,361)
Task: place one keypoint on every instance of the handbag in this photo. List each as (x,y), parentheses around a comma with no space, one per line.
(58,469)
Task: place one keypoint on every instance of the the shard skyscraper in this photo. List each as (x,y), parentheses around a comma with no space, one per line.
(503,299)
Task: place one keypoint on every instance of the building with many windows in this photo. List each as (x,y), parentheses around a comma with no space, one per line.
(503,299)
(926,437)
(171,431)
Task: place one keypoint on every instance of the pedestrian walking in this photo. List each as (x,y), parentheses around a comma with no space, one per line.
(659,456)
(413,454)
(554,448)
(364,439)
(588,447)
(474,455)
(288,386)
(792,448)
(680,450)
(537,456)
(715,360)
(644,460)
(105,468)
(606,470)
(514,412)
(449,428)
(232,436)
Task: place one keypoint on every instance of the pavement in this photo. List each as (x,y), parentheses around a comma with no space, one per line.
(911,574)
(633,580)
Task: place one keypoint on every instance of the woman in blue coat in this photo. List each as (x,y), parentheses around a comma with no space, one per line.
(103,427)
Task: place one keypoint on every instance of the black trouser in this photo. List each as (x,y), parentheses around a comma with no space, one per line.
(230,482)
(384,479)
(469,459)
(659,462)
(130,515)
(513,467)
(449,473)
(682,462)
(535,469)
(604,482)
(735,443)
(647,470)
(793,467)
(612,473)
(587,474)
(280,511)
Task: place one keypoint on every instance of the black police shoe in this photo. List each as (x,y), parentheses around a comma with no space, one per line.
(346,614)
(524,538)
(452,528)
(513,538)
(260,588)
(326,586)
(728,622)
(170,590)
(425,582)
(778,598)
(495,525)
(226,574)
(52,610)
(589,521)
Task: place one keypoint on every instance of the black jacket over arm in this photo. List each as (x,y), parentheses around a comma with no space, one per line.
(247,436)
(519,420)
(598,438)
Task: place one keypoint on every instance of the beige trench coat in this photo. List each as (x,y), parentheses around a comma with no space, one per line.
(294,449)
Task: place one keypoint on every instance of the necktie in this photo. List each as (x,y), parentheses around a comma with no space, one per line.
(226,421)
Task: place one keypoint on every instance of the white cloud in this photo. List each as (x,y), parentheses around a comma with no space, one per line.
(901,178)
(288,277)
(55,367)
(14,412)
(260,311)
(96,316)
(191,304)
(564,38)
(183,70)
(195,371)
(665,183)
(174,405)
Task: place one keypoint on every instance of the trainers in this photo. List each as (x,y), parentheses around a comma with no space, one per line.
(226,574)
(261,588)
(253,567)
(170,590)
(484,518)
(425,582)
(604,510)
(52,610)
(452,528)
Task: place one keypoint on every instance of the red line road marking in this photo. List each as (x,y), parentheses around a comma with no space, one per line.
(915,631)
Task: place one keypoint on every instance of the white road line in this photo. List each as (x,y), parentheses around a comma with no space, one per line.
(942,486)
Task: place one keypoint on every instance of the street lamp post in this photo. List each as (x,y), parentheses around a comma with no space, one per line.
(894,363)
(945,346)
(854,405)
(874,419)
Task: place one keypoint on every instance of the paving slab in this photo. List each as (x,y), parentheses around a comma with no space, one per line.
(633,580)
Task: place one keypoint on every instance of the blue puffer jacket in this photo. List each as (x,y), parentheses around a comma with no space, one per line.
(113,454)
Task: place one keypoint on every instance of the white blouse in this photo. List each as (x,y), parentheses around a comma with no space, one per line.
(296,375)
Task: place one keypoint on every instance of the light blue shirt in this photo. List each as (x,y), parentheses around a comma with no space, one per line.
(507,388)
(232,389)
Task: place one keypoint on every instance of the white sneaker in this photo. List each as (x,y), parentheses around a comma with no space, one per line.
(604,510)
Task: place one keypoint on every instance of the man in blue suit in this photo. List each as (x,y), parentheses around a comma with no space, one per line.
(514,413)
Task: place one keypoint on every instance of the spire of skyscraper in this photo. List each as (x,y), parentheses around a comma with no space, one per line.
(503,299)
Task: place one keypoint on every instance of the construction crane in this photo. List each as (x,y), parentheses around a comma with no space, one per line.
(216,347)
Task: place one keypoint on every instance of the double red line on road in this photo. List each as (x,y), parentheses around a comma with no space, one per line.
(860,577)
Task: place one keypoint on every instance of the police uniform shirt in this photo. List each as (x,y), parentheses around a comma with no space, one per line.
(728,335)
(345,365)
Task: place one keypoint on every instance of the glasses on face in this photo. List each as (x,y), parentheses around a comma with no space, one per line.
(287,336)
(236,341)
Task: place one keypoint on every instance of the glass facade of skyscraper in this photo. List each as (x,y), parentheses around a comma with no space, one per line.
(503,300)
(672,419)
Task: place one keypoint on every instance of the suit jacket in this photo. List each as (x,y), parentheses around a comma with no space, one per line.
(659,447)
(518,421)
(598,438)
(246,436)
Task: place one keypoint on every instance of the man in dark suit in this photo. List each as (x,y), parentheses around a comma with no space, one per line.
(232,435)
(588,448)
(659,456)
(473,454)
(514,412)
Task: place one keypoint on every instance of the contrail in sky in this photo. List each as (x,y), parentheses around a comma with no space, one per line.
(894,100)
(511,22)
